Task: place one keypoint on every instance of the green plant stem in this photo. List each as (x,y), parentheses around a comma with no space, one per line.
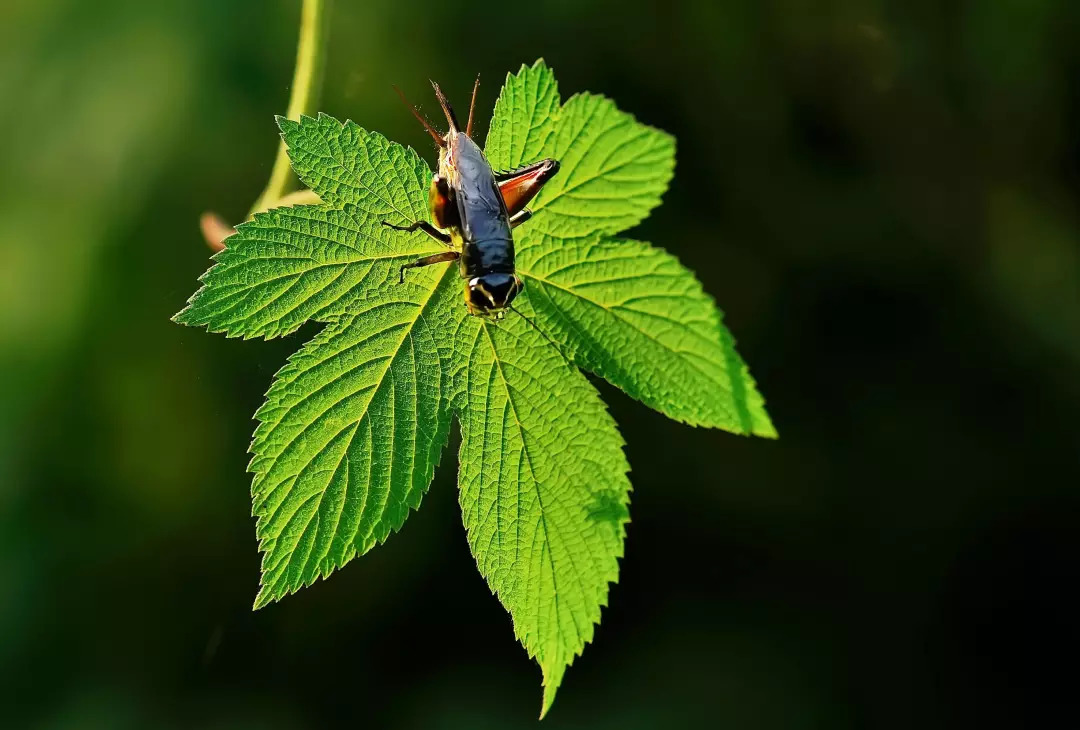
(304,94)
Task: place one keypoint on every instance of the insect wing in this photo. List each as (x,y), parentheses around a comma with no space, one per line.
(520,186)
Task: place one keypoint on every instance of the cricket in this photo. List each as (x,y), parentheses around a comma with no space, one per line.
(475,210)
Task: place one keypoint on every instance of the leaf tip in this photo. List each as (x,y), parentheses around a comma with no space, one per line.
(765,429)
(264,598)
(187,317)
(552,679)
(285,124)
(549,699)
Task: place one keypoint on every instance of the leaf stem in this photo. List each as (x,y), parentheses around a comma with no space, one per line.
(304,95)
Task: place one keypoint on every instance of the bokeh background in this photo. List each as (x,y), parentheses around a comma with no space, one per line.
(882,197)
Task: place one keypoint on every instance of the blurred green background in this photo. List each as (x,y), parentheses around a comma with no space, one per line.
(881,196)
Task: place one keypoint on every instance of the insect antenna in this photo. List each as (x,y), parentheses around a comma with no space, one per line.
(439,140)
(543,334)
(472,106)
(448,110)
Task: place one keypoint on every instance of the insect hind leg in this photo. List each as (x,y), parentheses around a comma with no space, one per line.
(424,226)
(428,261)
(520,217)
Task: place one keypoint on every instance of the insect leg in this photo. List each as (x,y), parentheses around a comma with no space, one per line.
(520,186)
(422,226)
(520,217)
(428,261)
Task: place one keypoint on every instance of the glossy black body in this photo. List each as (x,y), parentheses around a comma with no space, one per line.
(469,205)
(487,245)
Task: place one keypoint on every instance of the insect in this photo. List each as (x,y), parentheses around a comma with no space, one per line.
(476,210)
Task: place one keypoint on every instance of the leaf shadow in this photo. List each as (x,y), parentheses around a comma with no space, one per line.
(607,506)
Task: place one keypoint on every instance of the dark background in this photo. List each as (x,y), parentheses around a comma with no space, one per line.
(880,195)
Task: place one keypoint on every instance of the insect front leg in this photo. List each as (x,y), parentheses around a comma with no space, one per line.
(428,261)
(444,214)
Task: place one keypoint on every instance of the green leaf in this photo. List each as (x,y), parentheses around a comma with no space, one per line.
(292,265)
(345,163)
(614,169)
(524,119)
(632,314)
(544,491)
(347,442)
(355,422)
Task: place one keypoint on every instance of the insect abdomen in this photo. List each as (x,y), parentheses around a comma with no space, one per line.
(494,255)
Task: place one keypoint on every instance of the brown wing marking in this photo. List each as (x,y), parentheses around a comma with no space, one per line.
(520,186)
